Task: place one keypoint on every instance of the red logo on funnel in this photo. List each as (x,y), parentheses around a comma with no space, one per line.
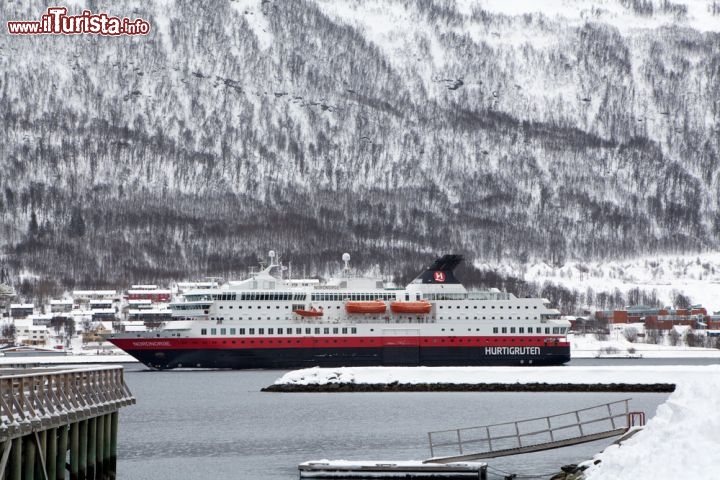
(439,277)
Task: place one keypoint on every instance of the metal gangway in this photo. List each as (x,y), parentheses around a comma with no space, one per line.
(534,434)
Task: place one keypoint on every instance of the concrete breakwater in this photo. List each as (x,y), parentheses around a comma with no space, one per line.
(471,387)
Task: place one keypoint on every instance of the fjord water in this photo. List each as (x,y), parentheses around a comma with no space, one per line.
(219,425)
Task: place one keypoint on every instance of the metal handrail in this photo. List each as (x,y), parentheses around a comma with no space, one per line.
(461,444)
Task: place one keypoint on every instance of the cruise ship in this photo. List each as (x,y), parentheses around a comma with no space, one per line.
(268,321)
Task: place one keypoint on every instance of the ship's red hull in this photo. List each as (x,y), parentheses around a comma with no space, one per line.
(288,353)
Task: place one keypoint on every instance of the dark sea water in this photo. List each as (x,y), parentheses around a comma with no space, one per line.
(219,425)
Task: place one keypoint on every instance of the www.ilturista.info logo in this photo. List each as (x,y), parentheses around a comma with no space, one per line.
(57,21)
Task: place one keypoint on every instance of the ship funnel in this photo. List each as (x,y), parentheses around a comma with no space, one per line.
(441,270)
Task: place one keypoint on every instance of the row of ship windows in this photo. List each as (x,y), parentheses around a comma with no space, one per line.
(376,341)
(555,330)
(353,297)
(287,307)
(337,297)
(492,307)
(353,330)
(259,307)
(281,296)
(468,296)
(401,317)
(280,331)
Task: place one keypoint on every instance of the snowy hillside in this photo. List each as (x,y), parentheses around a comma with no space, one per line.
(697,277)
(502,130)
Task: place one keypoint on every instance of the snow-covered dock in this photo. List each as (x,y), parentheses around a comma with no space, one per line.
(680,441)
(391,469)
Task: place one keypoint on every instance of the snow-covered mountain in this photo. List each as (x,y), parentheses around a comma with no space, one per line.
(538,131)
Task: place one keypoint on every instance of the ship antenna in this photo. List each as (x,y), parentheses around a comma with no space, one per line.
(346,259)
(271,254)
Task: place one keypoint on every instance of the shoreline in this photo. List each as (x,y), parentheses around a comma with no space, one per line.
(52,360)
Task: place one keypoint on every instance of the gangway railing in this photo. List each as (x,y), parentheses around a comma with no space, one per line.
(534,434)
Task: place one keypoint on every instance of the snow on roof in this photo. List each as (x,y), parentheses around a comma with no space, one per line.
(102,310)
(152,292)
(140,301)
(64,301)
(304,281)
(94,292)
(197,284)
(144,287)
(22,305)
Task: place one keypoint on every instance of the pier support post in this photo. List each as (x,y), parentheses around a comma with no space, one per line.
(7,450)
(16,467)
(61,458)
(74,451)
(29,463)
(92,445)
(99,466)
(113,444)
(52,453)
(41,463)
(82,454)
(106,444)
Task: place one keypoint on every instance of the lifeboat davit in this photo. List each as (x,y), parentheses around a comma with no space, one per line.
(313,312)
(372,306)
(421,306)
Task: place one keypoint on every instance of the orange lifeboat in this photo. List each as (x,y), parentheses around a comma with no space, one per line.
(313,312)
(372,306)
(420,306)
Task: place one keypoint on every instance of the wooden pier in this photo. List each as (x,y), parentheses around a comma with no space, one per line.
(60,422)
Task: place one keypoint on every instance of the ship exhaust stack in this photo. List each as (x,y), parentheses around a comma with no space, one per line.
(441,271)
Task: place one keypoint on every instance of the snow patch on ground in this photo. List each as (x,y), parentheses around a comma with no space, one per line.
(695,275)
(404,36)
(641,374)
(617,345)
(610,11)
(680,441)
(161,22)
(255,17)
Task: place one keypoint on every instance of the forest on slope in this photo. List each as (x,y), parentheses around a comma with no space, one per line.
(391,130)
